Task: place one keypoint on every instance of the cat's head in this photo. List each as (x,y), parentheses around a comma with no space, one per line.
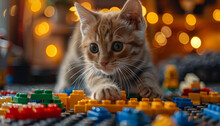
(112,40)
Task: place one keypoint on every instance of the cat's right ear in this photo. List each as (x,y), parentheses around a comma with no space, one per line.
(86,18)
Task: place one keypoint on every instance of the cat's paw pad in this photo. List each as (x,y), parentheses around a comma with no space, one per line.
(106,92)
(148,92)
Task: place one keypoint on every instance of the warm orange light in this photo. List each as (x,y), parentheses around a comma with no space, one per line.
(13,10)
(105,10)
(42,28)
(87,5)
(35,5)
(190,19)
(4,13)
(160,38)
(167,18)
(166,31)
(152,17)
(216,14)
(72,9)
(49,11)
(114,9)
(144,10)
(183,38)
(195,42)
(51,50)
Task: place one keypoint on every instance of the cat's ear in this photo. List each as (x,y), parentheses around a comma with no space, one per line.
(132,11)
(86,17)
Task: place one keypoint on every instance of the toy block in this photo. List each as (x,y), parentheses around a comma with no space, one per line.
(204,97)
(133,99)
(26,113)
(145,99)
(99,114)
(42,95)
(21,98)
(63,97)
(80,106)
(195,98)
(68,103)
(195,85)
(182,102)
(76,96)
(214,97)
(12,113)
(92,103)
(4,108)
(169,108)
(58,102)
(145,107)
(123,95)
(182,119)
(213,111)
(2,100)
(132,117)
(163,120)
(8,99)
(37,101)
(53,111)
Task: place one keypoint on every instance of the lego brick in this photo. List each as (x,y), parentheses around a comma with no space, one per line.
(182,119)
(123,95)
(63,97)
(163,120)
(182,102)
(132,117)
(21,98)
(58,102)
(214,97)
(213,111)
(80,107)
(76,96)
(195,98)
(99,113)
(42,95)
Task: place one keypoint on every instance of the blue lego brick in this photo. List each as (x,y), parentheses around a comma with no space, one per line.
(213,111)
(98,114)
(182,102)
(182,119)
(37,101)
(132,117)
(68,91)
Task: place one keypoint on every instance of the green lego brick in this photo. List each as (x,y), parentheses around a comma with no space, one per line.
(58,102)
(21,98)
(55,97)
(42,95)
(48,101)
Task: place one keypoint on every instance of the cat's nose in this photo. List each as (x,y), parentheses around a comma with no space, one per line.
(104,64)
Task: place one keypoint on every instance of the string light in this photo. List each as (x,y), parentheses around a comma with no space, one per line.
(105,10)
(87,5)
(166,31)
(144,10)
(167,18)
(216,14)
(160,38)
(183,38)
(195,42)
(13,10)
(114,9)
(42,28)
(49,11)
(51,50)
(190,19)
(152,17)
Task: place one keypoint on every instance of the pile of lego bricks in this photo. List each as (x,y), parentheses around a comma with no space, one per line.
(42,107)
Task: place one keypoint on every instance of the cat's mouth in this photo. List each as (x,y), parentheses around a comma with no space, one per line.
(107,70)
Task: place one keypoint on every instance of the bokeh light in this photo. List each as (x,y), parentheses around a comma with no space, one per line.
(195,42)
(167,18)
(114,9)
(160,38)
(42,28)
(51,50)
(166,31)
(4,13)
(144,10)
(152,17)
(216,14)
(105,10)
(87,5)
(13,10)
(49,11)
(73,9)
(35,5)
(183,38)
(190,19)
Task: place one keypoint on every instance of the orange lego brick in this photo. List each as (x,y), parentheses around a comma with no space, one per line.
(68,103)
(195,85)
(76,96)
(214,97)
(123,95)
(134,99)
(145,107)
(170,108)
(80,107)
(163,120)
(204,97)
(63,97)
(145,99)
(4,108)
(184,96)
(195,98)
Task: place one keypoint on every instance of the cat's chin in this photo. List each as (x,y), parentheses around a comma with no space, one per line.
(107,71)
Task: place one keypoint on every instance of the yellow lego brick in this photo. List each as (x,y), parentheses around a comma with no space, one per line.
(123,95)
(195,85)
(169,108)
(145,99)
(145,107)
(68,103)
(80,107)
(63,97)
(204,97)
(163,120)
(157,108)
(2,100)
(214,97)
(195,98)
(90,104)
(135,99)
(76,96)
(4,108)
(156,100)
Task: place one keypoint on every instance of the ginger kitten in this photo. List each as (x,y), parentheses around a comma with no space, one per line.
(108,52)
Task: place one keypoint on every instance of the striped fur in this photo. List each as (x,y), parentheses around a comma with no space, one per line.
(130,69)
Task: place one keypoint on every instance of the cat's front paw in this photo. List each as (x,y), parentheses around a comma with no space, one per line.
(149,92)
(106,92)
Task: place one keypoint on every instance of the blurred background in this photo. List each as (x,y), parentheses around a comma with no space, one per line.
(34,36)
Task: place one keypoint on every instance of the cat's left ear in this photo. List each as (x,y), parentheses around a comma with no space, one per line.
(86,17)
(132,12)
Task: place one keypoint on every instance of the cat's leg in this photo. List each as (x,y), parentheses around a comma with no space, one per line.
(148,84)
(102,88)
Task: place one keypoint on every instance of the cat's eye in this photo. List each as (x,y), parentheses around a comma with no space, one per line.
(117,46)
(94,48)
